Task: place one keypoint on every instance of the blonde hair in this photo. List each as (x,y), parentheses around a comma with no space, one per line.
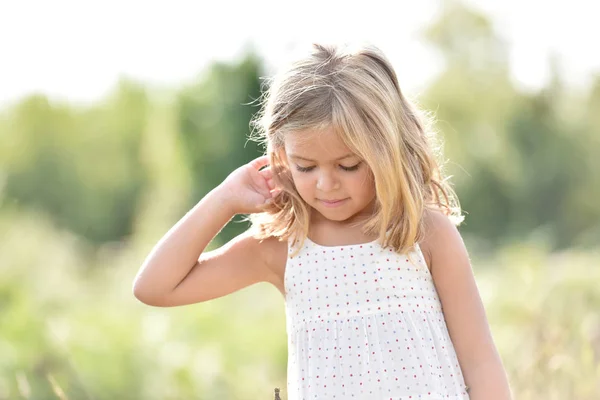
(356,92)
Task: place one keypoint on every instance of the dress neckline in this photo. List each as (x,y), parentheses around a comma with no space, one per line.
(342,245)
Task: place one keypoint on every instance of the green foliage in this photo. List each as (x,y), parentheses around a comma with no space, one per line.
(82,168)
(72,321)
(213,122)
(75,323)
(546,320)
(521,163)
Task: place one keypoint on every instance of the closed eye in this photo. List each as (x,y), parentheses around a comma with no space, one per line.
(352,168)
(348,169)
(304,169)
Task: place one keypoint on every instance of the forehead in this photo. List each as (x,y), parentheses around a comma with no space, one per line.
(322,145)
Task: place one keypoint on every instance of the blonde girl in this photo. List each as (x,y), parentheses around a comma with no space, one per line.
(354,224)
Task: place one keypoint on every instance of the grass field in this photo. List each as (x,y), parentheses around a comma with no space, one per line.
(71,329)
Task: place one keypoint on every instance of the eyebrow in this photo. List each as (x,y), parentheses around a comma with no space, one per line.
(308,159)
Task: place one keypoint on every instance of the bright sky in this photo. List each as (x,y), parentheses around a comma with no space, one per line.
(76,50)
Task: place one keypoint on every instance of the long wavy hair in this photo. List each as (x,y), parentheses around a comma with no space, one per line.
(355,91)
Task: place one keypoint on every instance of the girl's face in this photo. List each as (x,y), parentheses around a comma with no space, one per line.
(328,176)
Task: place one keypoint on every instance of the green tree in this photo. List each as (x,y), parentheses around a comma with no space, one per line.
(81,167)
(213,122)
(520,162)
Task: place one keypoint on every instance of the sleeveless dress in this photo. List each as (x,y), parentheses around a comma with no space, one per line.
(364,322)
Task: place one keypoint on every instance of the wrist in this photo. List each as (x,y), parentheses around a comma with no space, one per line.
(225,199)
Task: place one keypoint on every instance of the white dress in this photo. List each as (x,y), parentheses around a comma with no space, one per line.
(364,322)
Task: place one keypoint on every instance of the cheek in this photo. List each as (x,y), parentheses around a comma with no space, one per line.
(364,184)
(302,182)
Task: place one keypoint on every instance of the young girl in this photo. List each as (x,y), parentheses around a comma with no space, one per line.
(354,224)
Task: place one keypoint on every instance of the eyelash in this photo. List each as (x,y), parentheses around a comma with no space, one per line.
(347,169)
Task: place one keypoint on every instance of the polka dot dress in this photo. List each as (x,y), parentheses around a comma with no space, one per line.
(364,322)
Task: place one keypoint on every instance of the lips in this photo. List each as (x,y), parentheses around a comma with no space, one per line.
(332,203)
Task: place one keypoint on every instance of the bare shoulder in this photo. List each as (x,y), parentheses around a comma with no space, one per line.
(269,252)
(276,253)
(441,238)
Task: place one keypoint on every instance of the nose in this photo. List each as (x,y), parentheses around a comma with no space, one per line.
(327,182)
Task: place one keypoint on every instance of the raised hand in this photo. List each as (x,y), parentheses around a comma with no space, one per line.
(247,189)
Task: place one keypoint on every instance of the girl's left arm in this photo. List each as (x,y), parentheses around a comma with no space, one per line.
(463,309)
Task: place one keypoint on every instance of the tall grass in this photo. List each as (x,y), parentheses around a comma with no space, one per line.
(71,329)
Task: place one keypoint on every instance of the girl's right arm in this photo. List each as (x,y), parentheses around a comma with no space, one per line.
(177,272)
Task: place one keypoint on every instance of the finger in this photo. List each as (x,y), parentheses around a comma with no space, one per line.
(261,185)
(267,173)
(259,162)
(270,184)
(264,189)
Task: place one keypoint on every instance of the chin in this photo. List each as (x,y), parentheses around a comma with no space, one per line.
(336,216)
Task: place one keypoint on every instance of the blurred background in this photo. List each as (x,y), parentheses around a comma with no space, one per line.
(117,117)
